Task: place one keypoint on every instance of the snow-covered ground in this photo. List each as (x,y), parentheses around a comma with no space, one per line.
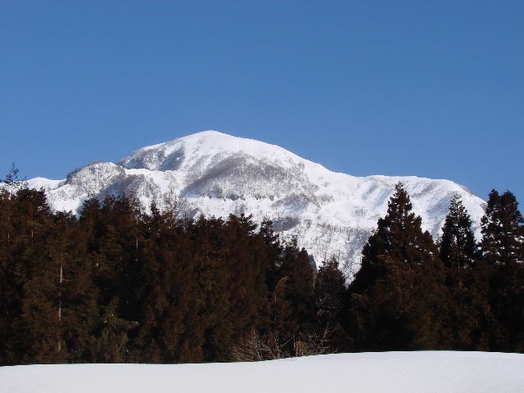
(404,372)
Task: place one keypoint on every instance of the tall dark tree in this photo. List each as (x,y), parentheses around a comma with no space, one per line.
(394,298)
(77,295)
(11,281)
(329,290)
(113,251)
(291,296)
(502,251)
(159,330)
(247,265)
(463,322)
(502,232)
(40,271)
(457,245)
(329,296)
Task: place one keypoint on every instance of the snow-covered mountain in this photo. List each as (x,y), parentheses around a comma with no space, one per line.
(211,173)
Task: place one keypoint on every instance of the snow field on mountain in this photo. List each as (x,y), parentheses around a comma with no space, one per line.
(215,174)
(387,372)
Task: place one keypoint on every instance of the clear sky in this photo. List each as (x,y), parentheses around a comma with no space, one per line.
(426,88)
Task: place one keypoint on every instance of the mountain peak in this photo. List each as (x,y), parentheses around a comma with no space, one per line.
(216,174)
(206,144)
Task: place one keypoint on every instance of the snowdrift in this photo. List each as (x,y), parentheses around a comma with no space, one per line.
(456,372)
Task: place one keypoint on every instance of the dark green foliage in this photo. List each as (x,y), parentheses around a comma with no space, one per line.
(12,279)
(395,297)
(457,245)
(169,289)
(502,231)
(295,277)
(330,290)
(12,181)
(329,296)
(406,298)
(11,282)
(466,299)
(117,285)
(29,276)
(502,255)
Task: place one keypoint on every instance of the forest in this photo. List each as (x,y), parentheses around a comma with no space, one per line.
(118,284)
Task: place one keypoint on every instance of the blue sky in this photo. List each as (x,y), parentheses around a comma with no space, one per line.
(426,88)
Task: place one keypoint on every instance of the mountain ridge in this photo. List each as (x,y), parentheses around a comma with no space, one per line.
(215,174)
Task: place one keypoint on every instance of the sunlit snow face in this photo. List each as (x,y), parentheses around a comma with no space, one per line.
(215,174)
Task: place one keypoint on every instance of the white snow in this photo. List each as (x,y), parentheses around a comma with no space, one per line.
(387,372)
(331,214)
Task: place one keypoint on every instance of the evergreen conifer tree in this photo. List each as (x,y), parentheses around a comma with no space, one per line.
(291,299)
(502,252)
(463,322)
(329,295)
(457,244)
(329,290)
(394,298)
(11,281)
(502,230)
(39,270)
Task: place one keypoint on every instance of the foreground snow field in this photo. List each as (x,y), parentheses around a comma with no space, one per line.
(405,372)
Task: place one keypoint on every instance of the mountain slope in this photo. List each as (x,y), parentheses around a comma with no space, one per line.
(217,174)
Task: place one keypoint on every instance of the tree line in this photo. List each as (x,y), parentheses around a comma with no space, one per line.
(118,284)
(411,293)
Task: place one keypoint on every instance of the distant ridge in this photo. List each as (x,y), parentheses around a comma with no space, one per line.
(212,173)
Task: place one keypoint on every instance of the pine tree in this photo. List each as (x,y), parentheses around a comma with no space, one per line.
(463,322)
(246,265)
(212,326)
(11,282)
(502,231)
(457,245)
(502,252)
(13,182)
(394,298)
(112,238)
(329,290)
(329,295)
(39,272)
(291,304)
(77,307)
(169,330)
